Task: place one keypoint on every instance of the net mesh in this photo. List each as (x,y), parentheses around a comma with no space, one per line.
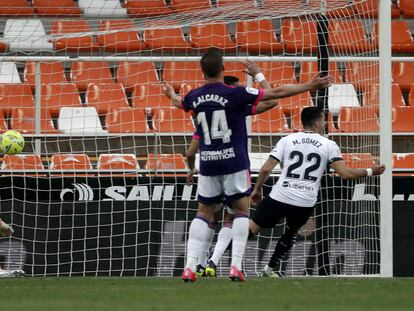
(100,188)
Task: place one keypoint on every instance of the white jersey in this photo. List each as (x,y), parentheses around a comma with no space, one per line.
(304,157)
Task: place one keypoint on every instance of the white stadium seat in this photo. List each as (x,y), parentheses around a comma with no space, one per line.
(342,95)
(84,120)
(9,73)
(102,8)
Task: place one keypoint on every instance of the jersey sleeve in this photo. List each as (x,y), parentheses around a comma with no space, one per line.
(249,96)
(278,151)
(334,152)
(197,134)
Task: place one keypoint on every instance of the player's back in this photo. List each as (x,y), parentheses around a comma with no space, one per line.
(305,157)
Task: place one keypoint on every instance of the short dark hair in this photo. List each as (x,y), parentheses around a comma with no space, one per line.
(212,63)
(310,115)
(231,80)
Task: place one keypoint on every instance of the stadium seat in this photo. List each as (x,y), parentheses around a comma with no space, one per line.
(358,160)
(216,35)
(257,37)
(371,96)
(411,96)
(9,73)
(178,73)
(15,96)
(132,73)
(348,36)
(278,73)
(246,3)
(3,124)
(56,96)
(118,161)
(184,90)
(357,120)
(309,70)
(300,100)
(342,95)
(370,8)
(70,162)
(146,8)
(62,28)
(296,123)
(169,162)
(103,96)
(84,120)
(23,120)
(22,162)
(26,35)
(403,160)
(56,8)
(402,41)
(362,74)
(150,96)
(235,69)
(49,73)
(403,74)
(15,7)
(271,121)
(96,8)
(83,73)
(299,36)
(173,120)
(403,119)
(407,8)
(131,120)
(3,46)
(120,41)
(194,5)
(169,39)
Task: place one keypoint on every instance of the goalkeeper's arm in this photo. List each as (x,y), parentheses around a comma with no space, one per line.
(346,172)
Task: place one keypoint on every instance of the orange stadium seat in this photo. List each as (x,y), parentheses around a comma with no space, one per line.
(77,162)
(296,123)
(212,35)
(194,5)
(83,73)
(118,162)
(173,120)
(167,39)
(235,69)
(371,96)
(178,73)
(66,27)
(299,36)
(22,162)
(56,8)
(402,41)
(402,119)
(411,96)
(15,7)
(362,74)
(122,41)
(358,160)
(49,73)
(23,120)
(271,121)
(357,120)
(278,73)
(247,3)
(131,74)
(403,74)
(403,160)
(310,69)
(348,36)
(145,8)
(370,8)
(149,96)
(166,162)
(257,36)
(103,96)
(130,120)
(15,96)
(407,8)
(185,89)
(3,124)
(56,96)
(3,46)
(301,100)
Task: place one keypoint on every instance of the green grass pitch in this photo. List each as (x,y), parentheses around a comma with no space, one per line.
(207,294)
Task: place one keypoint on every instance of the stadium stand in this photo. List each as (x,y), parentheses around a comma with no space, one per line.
(15,96)
(133,73)
(49,73)
(403,119)
(300,100)
(402,41)
(120,41)
(26,35)
(180,6)
(362,74)
(357,120)
(15,7)
(146,8)
(341,95)
(407,8)
(131,120)
(56,8)
(60,28)
(3,124)
(371,96)
(82,121)
(9,73)
(310,69)
(216,35)
(403,160)
(235,69)
(173,120)
(299,36)
(104,96)
(22,162)
(348,36)
(370,8)
(70,162)
(403,74)
(149,96)
(96,8)
(358,160)
(249,3)
(56,96)
(166,162)
(169,40)
(83,73)
(23,120)
(118,162)
(278,73)
(178,73)
(271,121)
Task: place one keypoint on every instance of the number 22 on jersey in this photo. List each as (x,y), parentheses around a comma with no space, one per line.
(219,128)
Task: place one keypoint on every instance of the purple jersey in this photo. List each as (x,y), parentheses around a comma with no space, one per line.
(221,124)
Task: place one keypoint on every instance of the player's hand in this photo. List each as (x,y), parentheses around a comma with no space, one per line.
(189,178)
(168,90)
(256,197)
(252,68)
(377,169)
(321,82)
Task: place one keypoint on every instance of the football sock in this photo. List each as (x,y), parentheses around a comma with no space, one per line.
(223,240)
(283,246)
(197,236)
(203,257)
(240,234)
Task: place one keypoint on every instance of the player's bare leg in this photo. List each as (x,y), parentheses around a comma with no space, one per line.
(5,229)
(197,236)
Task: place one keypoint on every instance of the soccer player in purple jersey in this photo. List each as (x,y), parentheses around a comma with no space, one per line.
(224,160)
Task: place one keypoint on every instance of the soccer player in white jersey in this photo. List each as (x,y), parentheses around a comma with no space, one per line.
(5,229)
(224,160)
(305,156)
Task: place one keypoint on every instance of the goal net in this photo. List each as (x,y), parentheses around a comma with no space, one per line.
(100,188)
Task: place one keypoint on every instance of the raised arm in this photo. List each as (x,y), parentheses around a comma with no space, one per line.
(346,172)
(265,171)
(176,100)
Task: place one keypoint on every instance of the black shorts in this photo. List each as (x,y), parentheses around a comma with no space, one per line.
(269,212)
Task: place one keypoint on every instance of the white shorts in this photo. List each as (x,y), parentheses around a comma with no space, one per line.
(212,189)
